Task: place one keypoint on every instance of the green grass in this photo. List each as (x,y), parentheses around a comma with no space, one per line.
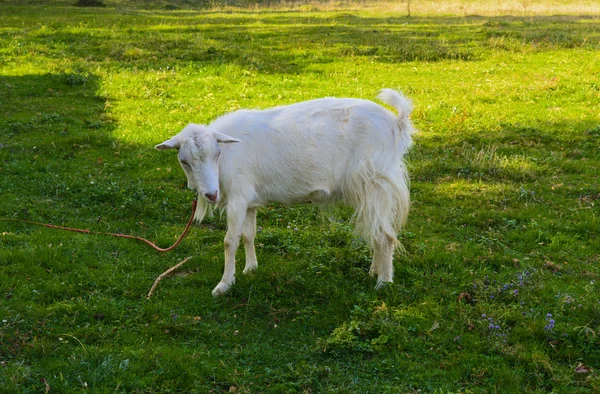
(504,222)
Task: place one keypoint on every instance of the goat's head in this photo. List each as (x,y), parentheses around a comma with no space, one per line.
(198,153)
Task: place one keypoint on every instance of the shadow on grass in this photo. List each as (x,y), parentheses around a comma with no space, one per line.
(512,153)
(58,154)
(290,42)
(52,124)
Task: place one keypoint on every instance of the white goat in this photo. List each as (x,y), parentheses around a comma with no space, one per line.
(317,151)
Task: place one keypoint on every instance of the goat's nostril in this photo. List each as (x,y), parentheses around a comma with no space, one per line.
(211,196)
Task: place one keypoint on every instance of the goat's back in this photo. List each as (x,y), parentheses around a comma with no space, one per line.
(288,153)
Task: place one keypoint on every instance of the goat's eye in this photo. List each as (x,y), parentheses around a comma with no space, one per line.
(184,163)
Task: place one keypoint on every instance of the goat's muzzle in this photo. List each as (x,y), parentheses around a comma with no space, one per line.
(212,197)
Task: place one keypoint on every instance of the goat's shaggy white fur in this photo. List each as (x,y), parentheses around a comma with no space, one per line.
(317,151)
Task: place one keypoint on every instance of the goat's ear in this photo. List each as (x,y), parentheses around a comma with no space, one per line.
(173,143)
(224,138)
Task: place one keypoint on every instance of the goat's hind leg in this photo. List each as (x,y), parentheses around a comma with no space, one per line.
(382,265)
(373,271)
(392,199)
(236,215)
(248,234)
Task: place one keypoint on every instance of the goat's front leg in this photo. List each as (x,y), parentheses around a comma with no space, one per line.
(248,234)
(236,214)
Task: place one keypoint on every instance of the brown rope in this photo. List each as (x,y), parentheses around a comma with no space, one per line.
(162,250)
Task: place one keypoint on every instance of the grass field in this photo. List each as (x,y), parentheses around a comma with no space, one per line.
(498,288)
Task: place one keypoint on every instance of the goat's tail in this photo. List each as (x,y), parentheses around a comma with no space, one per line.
(398,101)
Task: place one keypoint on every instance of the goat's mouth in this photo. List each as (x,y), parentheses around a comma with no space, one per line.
(211,198)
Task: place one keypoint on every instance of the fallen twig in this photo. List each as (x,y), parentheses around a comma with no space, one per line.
(167,272)
(46,385)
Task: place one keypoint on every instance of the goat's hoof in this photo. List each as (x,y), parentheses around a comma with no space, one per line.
(250,269)
(221,289)
(382,284)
